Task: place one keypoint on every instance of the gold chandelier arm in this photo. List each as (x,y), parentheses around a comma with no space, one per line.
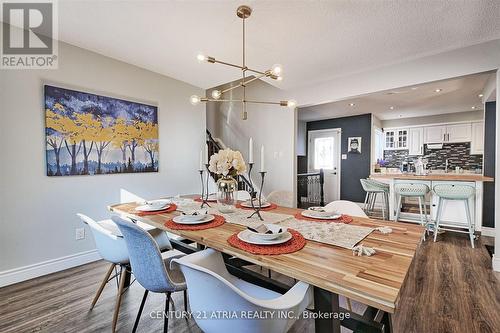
(220,100)
(262,102)
(241,83)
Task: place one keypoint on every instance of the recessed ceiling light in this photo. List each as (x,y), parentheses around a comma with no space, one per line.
(438,90)
(351,104)
(480,95)
(391,107)
(473,108)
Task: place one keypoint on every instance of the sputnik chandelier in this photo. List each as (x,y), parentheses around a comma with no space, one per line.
(274,73)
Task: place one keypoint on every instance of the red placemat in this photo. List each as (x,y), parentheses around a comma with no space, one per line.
(346,219)
(218,221)
(273,206)
(170,209)
(293,245)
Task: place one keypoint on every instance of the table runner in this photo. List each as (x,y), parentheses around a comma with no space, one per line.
(338,234)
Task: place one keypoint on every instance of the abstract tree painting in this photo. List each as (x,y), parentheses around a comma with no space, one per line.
(89,134)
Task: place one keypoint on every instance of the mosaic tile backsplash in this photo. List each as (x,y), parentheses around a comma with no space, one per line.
(457,153)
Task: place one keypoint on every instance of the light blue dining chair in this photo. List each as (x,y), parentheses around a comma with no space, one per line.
(150,268)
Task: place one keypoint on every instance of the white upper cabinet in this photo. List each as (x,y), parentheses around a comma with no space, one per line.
(434,134)
(416,141)
(396,139)
(459,133)
(477,143)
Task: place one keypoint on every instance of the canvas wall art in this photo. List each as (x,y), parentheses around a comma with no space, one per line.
(88,134)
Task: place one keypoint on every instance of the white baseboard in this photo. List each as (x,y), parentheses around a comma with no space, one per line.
(487,231)
(495,261)
(24,273)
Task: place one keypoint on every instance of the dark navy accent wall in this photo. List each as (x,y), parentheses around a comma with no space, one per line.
(356,166)
(489,165)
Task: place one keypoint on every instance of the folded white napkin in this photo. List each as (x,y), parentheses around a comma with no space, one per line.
(264,229)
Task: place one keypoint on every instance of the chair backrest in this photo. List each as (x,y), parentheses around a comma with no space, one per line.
(369,186)
(281,198)
(346,207)
(242,195)
(111,247)
(212,289)
(145,257)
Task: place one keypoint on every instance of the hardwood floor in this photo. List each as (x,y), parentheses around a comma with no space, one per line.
(450,288)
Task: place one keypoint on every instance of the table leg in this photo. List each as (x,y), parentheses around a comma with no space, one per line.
(326,303)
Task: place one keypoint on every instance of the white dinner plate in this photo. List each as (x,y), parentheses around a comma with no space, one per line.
(307,213)
(152,208)
(248,204)
(248,237)
(180,220)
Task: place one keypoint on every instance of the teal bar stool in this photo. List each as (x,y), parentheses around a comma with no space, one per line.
(413,190)
(373,188)
(454,192)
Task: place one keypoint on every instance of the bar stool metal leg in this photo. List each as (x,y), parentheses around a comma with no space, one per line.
(398,208)
(438,218)
(421,213)
(469,221)
(383,207)
(426,218)
(367,196)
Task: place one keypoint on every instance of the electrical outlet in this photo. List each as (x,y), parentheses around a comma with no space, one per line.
(79,233)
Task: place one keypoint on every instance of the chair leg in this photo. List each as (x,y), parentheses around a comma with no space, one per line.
(421,213)
(103,284)
(367,196)
(383,207)
(185,301)
(469,220)
(398,209)
(119,298)
(141,307)
(426,217)
(349,305)
(165,318)
(386,195)
(438,218)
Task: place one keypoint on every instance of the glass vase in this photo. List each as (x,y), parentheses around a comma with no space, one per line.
(227,188)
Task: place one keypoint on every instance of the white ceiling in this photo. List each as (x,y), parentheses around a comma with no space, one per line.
(456,95)
(314,41)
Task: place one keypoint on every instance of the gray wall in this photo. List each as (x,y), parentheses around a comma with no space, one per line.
(38,218)
(489,165)
(356,166)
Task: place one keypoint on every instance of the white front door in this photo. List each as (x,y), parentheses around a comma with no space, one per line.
(324,153)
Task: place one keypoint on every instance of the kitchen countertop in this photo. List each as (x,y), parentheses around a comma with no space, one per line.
(435,176)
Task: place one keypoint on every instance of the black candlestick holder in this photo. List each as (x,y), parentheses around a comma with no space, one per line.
(256,209)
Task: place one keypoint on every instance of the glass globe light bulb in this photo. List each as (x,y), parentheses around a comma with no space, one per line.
(277,69)
(291,104)
(201,57)
(280,78)
(216,94)
(195,100)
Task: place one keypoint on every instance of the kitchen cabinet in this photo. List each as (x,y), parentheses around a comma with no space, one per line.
(416,141)
(434,134)
(396,139)
(477,140)
(448,133)
(458,133)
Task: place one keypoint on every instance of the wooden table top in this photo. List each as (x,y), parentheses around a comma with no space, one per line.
(464,177)
(375,281)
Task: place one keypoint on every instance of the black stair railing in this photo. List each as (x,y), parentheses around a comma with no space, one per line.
(243,182)
(310,189)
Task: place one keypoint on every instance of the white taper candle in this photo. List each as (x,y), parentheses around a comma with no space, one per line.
(206,154)
(250,150)
(262,162)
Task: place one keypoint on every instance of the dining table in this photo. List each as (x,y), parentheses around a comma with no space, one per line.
(375,281)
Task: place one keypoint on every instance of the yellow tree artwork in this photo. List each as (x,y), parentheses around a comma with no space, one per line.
(88,134)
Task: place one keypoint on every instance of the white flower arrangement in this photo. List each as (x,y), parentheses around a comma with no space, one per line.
(227,162)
